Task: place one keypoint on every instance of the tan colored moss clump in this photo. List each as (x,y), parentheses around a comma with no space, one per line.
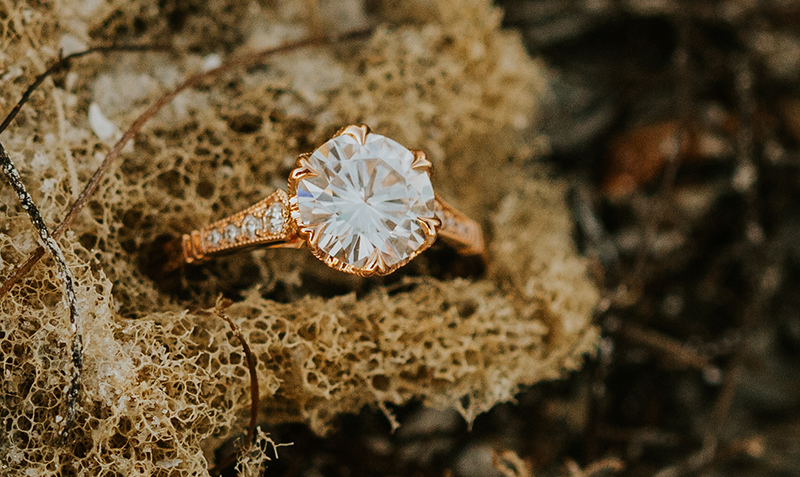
(164,386)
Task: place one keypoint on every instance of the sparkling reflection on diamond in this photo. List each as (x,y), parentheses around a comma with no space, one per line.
(213,237)
(230,233)
(274,218)
(365,200)
(251,225)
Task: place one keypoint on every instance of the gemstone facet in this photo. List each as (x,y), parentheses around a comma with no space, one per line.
(213,237)
(362,203)
(274,218)
(230,233)
(251,225)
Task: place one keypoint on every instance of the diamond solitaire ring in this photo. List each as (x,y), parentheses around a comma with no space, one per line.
(361,202)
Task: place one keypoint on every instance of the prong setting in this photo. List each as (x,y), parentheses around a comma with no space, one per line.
(376,265)
(311,234)
(421,162)
(358,132)
(430,225)
(303,170)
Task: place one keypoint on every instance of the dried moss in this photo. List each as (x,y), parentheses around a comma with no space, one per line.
(164,386)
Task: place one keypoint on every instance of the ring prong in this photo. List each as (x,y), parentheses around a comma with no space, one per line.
(429,225)
(377,264)
(302,158)
(302,171)
(311,234)
(358,132)
(421,162)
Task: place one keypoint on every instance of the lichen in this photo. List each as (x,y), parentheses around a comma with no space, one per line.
(165,381)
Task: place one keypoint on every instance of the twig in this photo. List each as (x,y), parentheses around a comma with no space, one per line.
(91,186)
(509,464)
(609,465)
(630,289)
(754,267)
(65,63)
(254,396)
(675,349)
(48,239)
(64,274)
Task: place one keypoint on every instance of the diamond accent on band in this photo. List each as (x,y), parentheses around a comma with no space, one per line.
(450,223)
(213,238)
(274,218)
(252,225)
(363,202)
(230,233)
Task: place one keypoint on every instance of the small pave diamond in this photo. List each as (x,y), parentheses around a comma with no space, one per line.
(231,232)
(274,218)
(213,237)
(363,202)
(251,225)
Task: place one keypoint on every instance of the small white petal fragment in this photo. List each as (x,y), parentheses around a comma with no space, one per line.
(101,125)
(69,45)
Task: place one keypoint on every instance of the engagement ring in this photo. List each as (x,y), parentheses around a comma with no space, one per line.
(361,202)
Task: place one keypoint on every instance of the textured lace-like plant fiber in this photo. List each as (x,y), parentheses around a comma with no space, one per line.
(163,386)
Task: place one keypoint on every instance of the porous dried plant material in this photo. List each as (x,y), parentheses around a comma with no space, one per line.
(252,464)
(151,392)
(164,387)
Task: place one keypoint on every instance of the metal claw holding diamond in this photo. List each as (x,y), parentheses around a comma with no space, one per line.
(361,202)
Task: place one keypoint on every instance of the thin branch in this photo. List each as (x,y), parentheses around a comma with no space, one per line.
(48,239)
(683,101)
(65,63)
(676,350)
(64,274)
(235,63)
(610,465)
(254,397)
(631,287)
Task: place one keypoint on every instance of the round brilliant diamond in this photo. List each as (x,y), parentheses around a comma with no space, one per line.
(364,201)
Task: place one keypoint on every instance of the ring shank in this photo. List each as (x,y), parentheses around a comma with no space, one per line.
(267,223)
(458,230)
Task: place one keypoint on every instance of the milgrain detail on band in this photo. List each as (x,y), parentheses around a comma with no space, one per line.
(264,223)
(458,230)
